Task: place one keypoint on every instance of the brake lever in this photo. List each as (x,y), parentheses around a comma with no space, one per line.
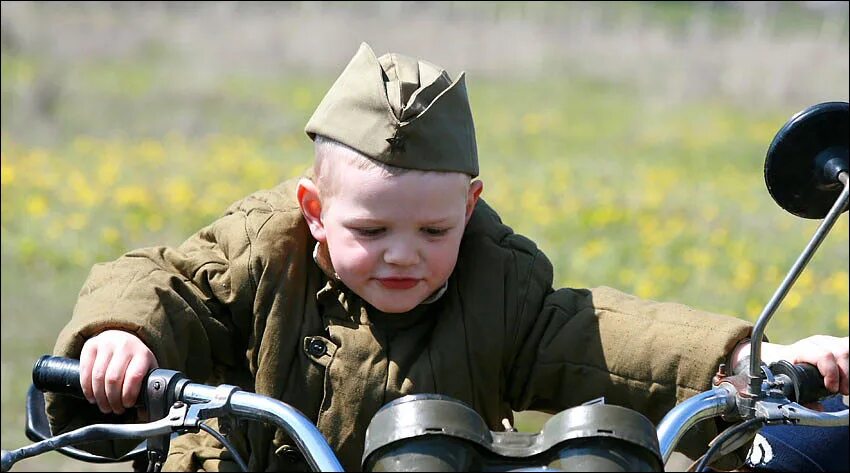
(780,411)
(173,422)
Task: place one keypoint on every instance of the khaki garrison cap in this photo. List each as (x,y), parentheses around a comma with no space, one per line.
(400,111)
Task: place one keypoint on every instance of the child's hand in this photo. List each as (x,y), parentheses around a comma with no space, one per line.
(112,367)
(829,354)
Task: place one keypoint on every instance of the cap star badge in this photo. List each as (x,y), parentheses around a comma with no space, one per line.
(397,143)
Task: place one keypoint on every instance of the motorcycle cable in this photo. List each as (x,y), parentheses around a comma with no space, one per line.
(721,439)
(229,446)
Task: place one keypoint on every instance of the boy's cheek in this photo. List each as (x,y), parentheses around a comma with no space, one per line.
(453,251)
(353,261)
(443,263)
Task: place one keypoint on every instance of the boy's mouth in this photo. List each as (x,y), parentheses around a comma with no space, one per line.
(398,283)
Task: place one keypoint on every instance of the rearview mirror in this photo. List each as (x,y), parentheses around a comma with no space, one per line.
(805,158)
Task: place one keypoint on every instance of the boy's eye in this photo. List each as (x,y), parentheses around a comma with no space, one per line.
(368,232)
(435,231)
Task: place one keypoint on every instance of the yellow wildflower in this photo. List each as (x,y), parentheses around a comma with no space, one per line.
(646,289)
(132,195)
(792,300)
(805,281)
(110,235)
(718,237)
(533,202)
(178,193)
(79,257)
(107,172)
(7,174)
(36,206)
(626,276)
(745,274)
(81,191)
(698,258)
(593,248)
(754,308)
(838,283)
(151,151)
(841,320)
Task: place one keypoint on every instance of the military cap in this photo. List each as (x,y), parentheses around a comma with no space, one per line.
(400,111)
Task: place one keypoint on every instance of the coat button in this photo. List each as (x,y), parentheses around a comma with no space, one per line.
(317,347)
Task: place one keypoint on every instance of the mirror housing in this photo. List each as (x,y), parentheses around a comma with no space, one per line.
(807,154)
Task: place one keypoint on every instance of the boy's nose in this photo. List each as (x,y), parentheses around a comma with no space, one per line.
(401,255)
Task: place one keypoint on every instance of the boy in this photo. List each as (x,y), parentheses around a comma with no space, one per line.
(383,274)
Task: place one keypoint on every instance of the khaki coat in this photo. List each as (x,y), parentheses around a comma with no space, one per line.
(241,302)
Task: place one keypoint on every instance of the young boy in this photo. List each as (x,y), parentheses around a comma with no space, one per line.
(383,274)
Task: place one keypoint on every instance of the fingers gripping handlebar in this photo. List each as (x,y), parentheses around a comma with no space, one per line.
(181,405)
(805,383)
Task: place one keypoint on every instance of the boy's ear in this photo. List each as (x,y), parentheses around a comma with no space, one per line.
(311,208)
(475,188)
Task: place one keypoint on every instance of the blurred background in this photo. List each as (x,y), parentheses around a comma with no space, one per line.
(626,139)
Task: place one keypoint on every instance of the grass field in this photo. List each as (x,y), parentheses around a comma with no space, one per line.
(621,184)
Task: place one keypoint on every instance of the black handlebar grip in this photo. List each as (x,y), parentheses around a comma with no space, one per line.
(806,379)
(57,375)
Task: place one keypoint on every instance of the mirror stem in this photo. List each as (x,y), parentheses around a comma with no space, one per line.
(755,375)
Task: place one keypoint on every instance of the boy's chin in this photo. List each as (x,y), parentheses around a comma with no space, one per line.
(393,307)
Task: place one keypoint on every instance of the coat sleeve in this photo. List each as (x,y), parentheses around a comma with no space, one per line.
(191,305)
(576,345)
(180,301)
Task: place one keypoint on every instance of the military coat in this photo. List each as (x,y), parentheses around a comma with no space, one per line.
(243,301)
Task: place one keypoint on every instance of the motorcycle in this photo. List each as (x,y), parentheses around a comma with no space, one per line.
(806,172)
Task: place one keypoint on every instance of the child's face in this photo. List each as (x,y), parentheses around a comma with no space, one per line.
(394,240)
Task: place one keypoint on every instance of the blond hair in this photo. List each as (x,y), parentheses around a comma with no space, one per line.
(329,154)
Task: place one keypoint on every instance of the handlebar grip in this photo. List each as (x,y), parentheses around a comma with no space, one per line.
(57,375)
(806,379)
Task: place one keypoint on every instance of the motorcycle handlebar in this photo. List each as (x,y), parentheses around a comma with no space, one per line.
(806,383)
(62,375)
(57,375)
